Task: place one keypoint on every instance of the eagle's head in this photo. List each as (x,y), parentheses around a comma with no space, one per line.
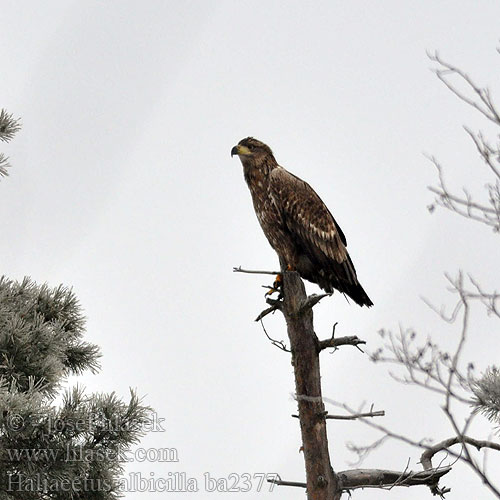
(252,152)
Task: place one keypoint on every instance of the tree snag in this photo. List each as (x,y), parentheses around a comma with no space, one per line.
(321,481)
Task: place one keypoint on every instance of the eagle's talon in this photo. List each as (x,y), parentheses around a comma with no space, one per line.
(278,281)
(276,286)
(271,290)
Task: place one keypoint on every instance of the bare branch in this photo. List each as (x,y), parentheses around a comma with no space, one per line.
(488,299)
(453,369)
(276,305)
(312,300)
(280,482)
(335,343)
(278,343)
(425,445)
(479,98)
(376,478)
(484,104)
(465,206)
(427,455)
(426,364)
(379,413)
(467,455)
(362,451)
(248,271)
(487,152)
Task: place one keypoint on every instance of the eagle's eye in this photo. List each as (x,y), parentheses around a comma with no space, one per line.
(251,147)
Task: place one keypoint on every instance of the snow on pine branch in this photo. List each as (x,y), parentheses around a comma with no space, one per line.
(9,126)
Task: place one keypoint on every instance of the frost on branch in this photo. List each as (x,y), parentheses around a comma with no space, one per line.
(9,126)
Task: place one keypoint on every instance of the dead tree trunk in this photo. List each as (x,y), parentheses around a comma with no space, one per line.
(321,482)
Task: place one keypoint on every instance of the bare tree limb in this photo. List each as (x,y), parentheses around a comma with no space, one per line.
(312,300)
(280,482)
(379,413)
(485,105)
(479,98)
(335,343)
(428,454)
(278,343)
(276,305)
(248,271)
(378,478)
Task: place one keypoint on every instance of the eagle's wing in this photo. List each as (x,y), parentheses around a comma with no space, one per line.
(310,222)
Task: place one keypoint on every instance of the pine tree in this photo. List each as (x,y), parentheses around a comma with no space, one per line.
(9,126)
(48,451)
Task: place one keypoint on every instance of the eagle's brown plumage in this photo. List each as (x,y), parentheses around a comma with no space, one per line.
(297,223)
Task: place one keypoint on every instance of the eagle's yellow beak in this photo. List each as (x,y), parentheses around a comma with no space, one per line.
(240,150)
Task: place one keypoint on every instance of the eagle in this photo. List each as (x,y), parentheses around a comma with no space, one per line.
(297,223)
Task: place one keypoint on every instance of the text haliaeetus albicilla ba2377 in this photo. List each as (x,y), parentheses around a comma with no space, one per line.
(297,223)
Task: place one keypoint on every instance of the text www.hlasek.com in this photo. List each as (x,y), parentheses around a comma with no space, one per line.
(83,454)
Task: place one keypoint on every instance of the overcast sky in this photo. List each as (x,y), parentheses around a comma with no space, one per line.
(123,188)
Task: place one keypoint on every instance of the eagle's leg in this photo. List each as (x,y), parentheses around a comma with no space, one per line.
(278,281)
(276,285)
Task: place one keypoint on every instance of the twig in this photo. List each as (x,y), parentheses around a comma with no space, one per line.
(248,271)
(380,413)
(363,451)
(280,482)
(486,108)
(276,305)
(278,343)
(312,300)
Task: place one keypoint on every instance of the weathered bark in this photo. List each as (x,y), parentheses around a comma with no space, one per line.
(321,481)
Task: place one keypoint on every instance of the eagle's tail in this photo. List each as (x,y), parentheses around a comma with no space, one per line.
(352,289)
(344,279)
(330,274)
(358,294)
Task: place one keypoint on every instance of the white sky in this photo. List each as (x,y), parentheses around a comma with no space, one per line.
(123,187)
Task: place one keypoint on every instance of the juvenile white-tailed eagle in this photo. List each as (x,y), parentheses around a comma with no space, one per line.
(297,223)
